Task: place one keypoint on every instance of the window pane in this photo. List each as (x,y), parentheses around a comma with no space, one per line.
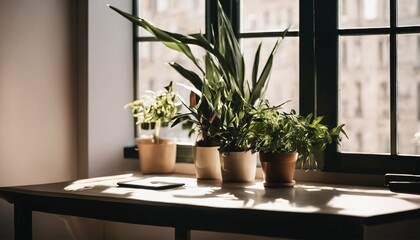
(284,82)
(408,12)
(365,98)
(269,15)
(408,93)
(181,16)
(155,73)
(364,13)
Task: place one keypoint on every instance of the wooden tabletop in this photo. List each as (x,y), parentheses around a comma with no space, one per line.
(213,205)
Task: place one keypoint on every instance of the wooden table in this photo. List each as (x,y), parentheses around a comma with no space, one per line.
(305,211)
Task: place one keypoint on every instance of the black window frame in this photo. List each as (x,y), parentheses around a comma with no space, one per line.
(327,30)
(319,34)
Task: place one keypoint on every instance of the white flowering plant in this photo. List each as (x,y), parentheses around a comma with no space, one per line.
(154,110)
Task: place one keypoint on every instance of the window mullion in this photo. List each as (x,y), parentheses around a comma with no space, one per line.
(135,60)
(211,19)
(307,91)
(326,60)
(393,76)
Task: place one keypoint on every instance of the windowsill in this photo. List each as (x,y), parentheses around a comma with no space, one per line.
(184,166)
(183,153)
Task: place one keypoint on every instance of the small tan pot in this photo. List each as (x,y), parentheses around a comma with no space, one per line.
(157,158)
(278,169)
(207,162)
(238,166)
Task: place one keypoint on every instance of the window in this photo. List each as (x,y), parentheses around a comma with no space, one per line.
(185,16)
(370,10)
(350,61)
(384,40)
(276,16)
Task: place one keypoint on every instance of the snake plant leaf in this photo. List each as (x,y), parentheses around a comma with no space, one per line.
(159,34)
(191,88)
(227,32)
(228,46)
(234,59)
(210,74)
(206,109)
(179,42)
(213,70)
(191,76)
(171,40)
(255,66)
(261,85)
(207,106)
(180,118)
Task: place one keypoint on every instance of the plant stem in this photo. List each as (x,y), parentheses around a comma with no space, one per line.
(156,138)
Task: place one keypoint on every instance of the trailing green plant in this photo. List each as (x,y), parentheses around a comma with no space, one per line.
(223,92)
(273,131)
(154,110)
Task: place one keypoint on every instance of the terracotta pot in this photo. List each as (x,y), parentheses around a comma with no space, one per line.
(157,158)
(278,169)
(207,162)
(238,166)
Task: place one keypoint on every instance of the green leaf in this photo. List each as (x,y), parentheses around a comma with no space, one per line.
(255,66)
(317,120)
(260,87)
(191,76)
(192,89)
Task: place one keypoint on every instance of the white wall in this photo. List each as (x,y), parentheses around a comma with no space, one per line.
(37,101)
(36,93)
(43,86)
(110,87)
(110,74)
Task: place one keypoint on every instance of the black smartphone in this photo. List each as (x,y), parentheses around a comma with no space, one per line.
(150,183)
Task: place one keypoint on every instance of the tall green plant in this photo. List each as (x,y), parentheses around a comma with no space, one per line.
(224,56)
(223,92)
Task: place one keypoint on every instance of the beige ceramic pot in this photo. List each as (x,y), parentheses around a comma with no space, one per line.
(238,166)
(278,169)
(157,158)
(207,162)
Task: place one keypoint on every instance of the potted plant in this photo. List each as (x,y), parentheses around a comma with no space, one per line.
(202,120)
(238,162)
(155,110)
(283,138)
(223,91)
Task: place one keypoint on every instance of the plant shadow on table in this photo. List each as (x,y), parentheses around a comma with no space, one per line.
(302,198)
(102,189)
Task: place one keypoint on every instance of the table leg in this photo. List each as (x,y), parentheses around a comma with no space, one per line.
(23,222)
(182,234)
